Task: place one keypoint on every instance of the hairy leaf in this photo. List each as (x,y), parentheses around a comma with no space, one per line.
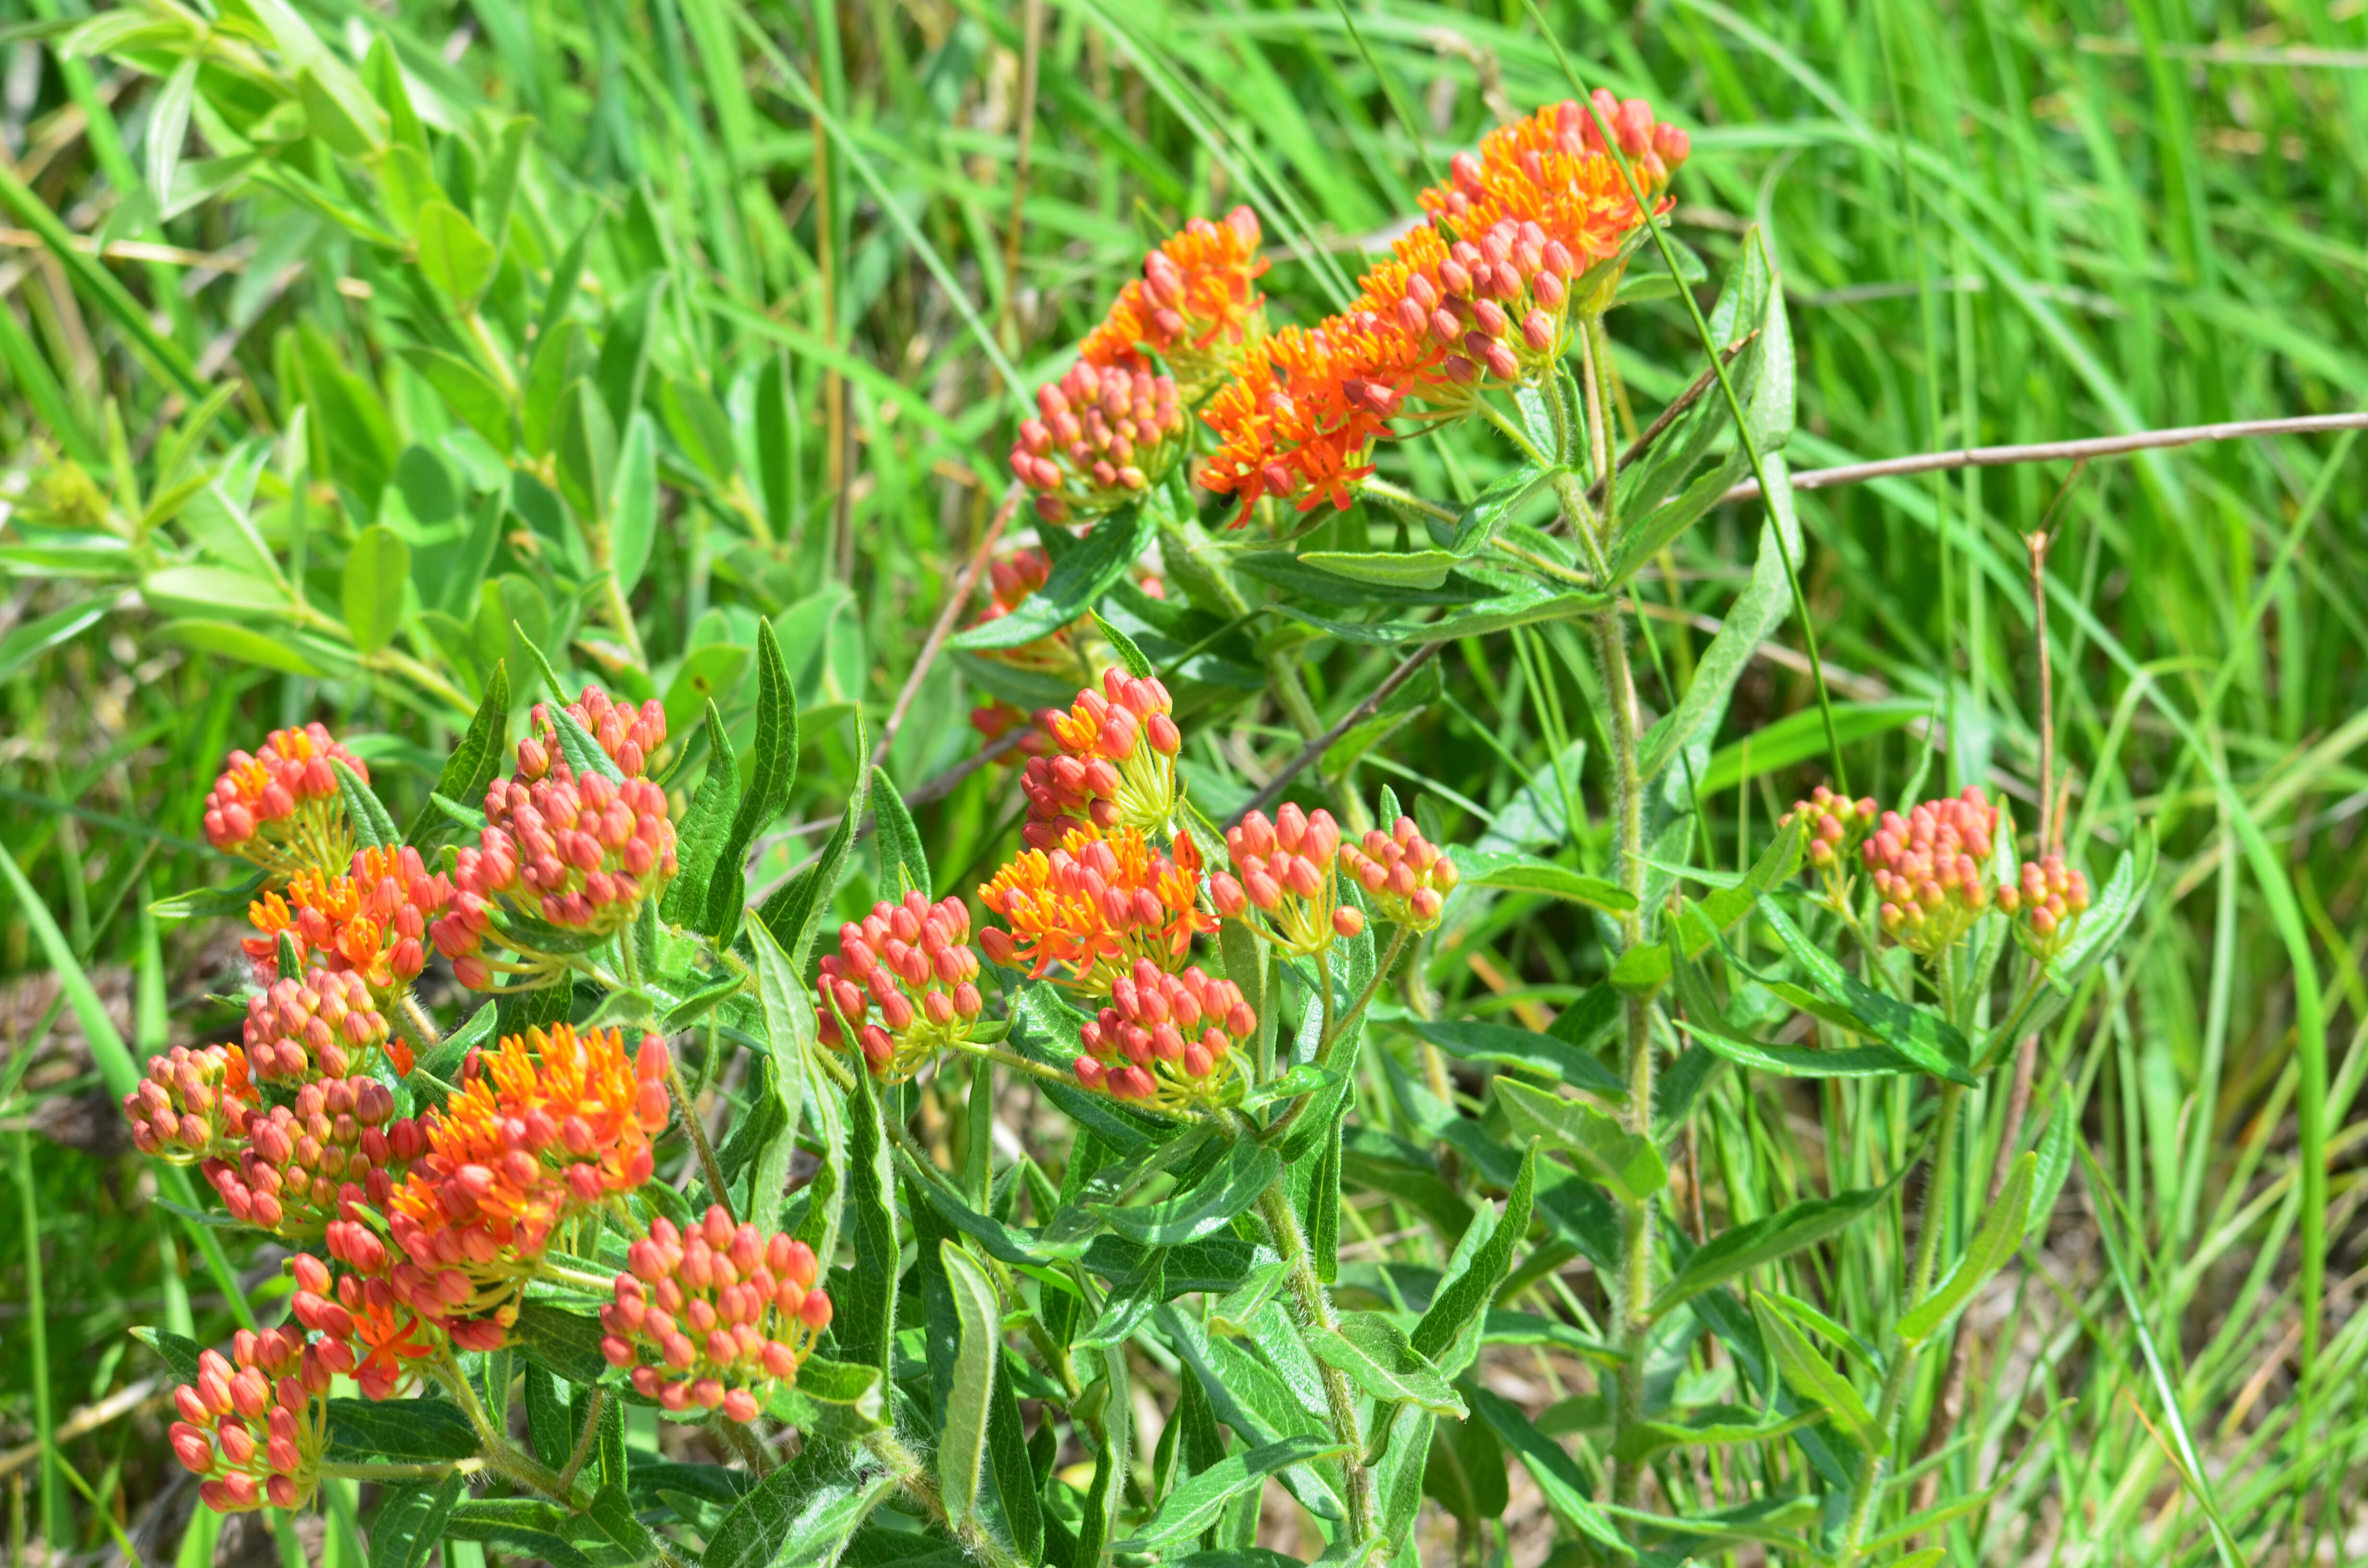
(1763,1240)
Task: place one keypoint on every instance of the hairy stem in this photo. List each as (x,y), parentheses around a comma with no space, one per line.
(1315,1309)
(698,1141)
(584,1438)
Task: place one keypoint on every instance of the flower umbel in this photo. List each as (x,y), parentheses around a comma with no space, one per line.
(339,1143)
(1930,869)
(1104,436)
(1832,827)
(279,806)
(1405,874)
(1101,899)
(716,1316)
(1282,885)
(1117,765)
(193,1105)
(325,1025)
(2047,905)
(253,1424)
(1167,1040)
(1194,306)
(371,921)
(905,981)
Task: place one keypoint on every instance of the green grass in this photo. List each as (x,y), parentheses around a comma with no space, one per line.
(1996,224)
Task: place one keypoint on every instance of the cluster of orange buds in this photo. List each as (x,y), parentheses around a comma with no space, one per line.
(1832,825)
(193,1105)
(721,1313)
(905,981)
(2048,900)
(1094,904)
(542,1128)
(392,1338)
(340,1143)
(1281,885)
(580,854)
(1930,870)
(1195,306)
(1116,766)
(1105,436)
(629,735)
(1167,1040)
(254,1424)
(279,806)
(324,1024)
(1405,875)
(1480,295)
(372,921)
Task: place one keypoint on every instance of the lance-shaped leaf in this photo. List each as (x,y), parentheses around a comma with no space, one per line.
(1487,512)
(1717,1424)
(1078,578)
(373,827)
(1763,1240)
(1013,1471)
(1998,1238)
(802,1514)
(962,1446)
(1706,1020)
(796,912)
(1814,1381)
(1130,657)
(865,1323)
(576,743)
(1200,1501)
(1414,569)
(699,837)
(1620,1159)
(1557,1474)
(1934,1044)
(1476,1041)
(903,863)
(411,1520)
(774,767)
(1515,873)
(1449,1329)
(790,1030)
(475,761)
(563,1342)
(417,1431)
(1643,969)
(1380,1360)
(1234,1183)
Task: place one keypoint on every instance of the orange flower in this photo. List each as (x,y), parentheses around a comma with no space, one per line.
(724,1314)
(1117,764)
(279,807)
(1193,306)
(1101,899)
(371,922)
(1105,435)
(543,1129)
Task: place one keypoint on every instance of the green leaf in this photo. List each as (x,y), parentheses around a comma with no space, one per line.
(962,1444)
(866,1321)
(214,590)
(1627,1162)
(1488,511)
(466,391)
(406,1431)
(211,903)
(699,838)
(1451,1328)
(1014,1472)
(35,638)
(1706,1021)
(1130,657)
(1645,969)
(802,1514)
(558,360)
(1918,1033)
(1557,1474)
(1813,1379)
(478,757)
(1999,1239)
(586,452)
(904,862)
(1200,1502)
(1290,574)
(243,644)
(1763,1240)
(2054,1153)
(411,1521)
(180,1351)
(1416,569)
(457,259)
(700,426)
(562,1342)
(1717,1425)
(633,503)
(1519,606)
(1475,1041)
(773,769)
(795,913)
(1232,1186)
(1380,1360)
(790,1035)
(373,828)
(1078,580)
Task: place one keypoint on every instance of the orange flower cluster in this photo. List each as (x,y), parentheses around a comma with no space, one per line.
(1832,825)
(716,1316)
(1282,886)
(1117,764)
(543,1128)
(1105,435)
(1167,1040)
(308,1164)
(1195,306)
(1480,295)
(254,1424)
(2049,901)
(325,1024)
(278,807)
(1094,905)
(1404,873)
(370,922)
(911,963)
(628,734)
(193,1105)
(1930,870)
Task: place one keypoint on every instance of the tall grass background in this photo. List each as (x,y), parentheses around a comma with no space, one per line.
(1995,223)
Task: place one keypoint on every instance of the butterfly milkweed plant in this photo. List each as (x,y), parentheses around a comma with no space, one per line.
(1067,1146)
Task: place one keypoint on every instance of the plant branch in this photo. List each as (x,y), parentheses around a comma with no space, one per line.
(698,1141)
(584,1438)
(1354,717)
(1316,1308)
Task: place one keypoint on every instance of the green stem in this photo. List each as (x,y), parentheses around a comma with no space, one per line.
(499,1453)
(706,1165)
(584,1438)
(1315,1311)
(1513,432)
(1867,1492)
